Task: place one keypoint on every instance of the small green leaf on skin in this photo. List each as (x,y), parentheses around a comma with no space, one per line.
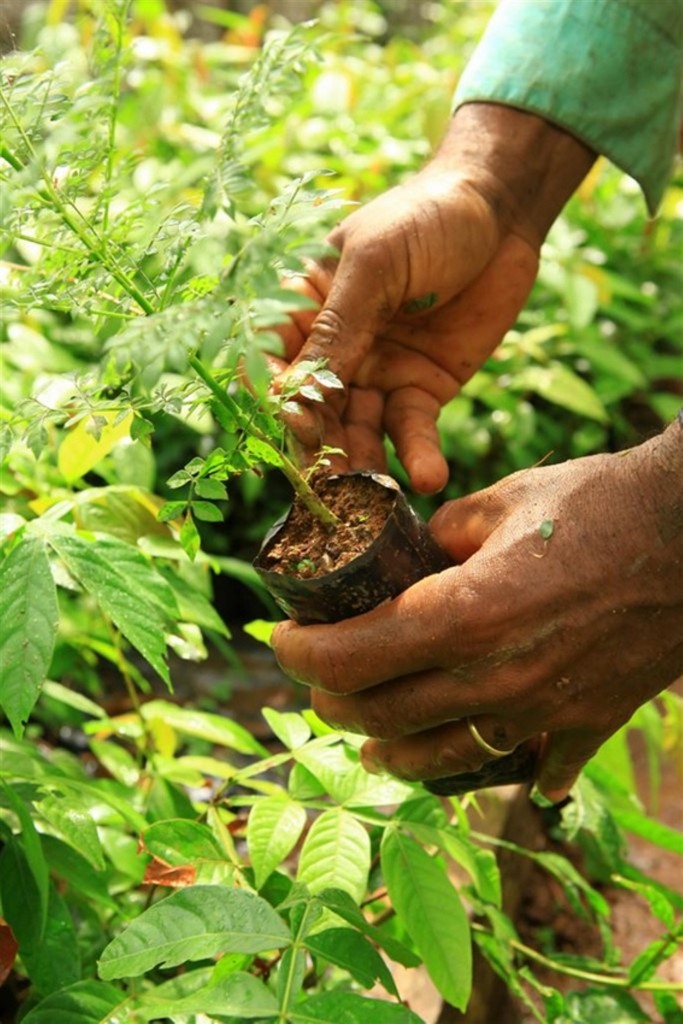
(547,529)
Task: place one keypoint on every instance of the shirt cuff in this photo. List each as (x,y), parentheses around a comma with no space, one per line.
(609,72)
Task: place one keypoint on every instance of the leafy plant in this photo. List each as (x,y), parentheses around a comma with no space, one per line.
(158,861)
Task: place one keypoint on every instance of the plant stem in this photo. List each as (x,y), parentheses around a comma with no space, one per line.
(300,485)
(577,972)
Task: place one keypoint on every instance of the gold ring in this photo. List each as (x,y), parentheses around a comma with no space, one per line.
(481,742)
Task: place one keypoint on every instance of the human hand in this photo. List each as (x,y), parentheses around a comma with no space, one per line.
(429,278)
(564,616)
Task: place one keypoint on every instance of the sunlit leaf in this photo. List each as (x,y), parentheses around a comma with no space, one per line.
(350,950)
(194,924)
(339,1007)
(290,728)
(85,1002)
(82,449)
(205,725)
(431,911)
(335,854)
(127,588)
(273,830)
(238,996)
(561,386)
(75,825)
(28,624)
(343,906)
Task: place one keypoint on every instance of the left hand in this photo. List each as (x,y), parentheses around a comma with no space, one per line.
(564,635)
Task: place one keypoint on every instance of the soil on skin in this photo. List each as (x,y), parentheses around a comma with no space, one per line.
(306,549)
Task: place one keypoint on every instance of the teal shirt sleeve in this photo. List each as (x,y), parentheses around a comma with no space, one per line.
(608,71)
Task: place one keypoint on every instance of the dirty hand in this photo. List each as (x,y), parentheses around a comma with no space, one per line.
(564,617)
(429,278)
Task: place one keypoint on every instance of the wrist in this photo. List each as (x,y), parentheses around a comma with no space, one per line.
(525,167)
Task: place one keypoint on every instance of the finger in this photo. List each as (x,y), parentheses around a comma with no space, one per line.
(446,750)
(401,637)
(463,526)
(298,326)
(410,420)
(356,307)
(363,427)
(414,704)
(564,755)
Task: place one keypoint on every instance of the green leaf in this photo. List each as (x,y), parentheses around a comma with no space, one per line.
(290,728)
(56,960)
(120,764)
(238,995)
(214,490)
(205,725)
(72,699)
(193,606)
(263,452)
(343,906)
(23,906)
(28,856)
(561,386)
(351,951)
(75,825)
(171,510)
(28,624)
(85,1002)
(83,447)
(430,909)
(647,962)
(480,864)
(348,1008)
(260,629)
(128,590)
(591,811)
(206,512)
(338,769)
(596,1006)
(336,854)
(74,871)
(123,511)
(179,841)
(626,814)
(194,924)
(273,830)
(189,538)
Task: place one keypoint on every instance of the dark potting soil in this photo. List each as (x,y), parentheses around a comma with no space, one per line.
(306,549)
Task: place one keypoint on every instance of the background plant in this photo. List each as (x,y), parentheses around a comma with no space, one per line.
(153,193)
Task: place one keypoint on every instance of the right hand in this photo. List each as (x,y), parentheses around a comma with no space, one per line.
(429,278)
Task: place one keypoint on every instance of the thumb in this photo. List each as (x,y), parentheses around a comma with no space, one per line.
(463,526)
(564,755)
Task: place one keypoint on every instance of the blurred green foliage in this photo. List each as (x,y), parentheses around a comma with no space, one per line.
(153,191)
